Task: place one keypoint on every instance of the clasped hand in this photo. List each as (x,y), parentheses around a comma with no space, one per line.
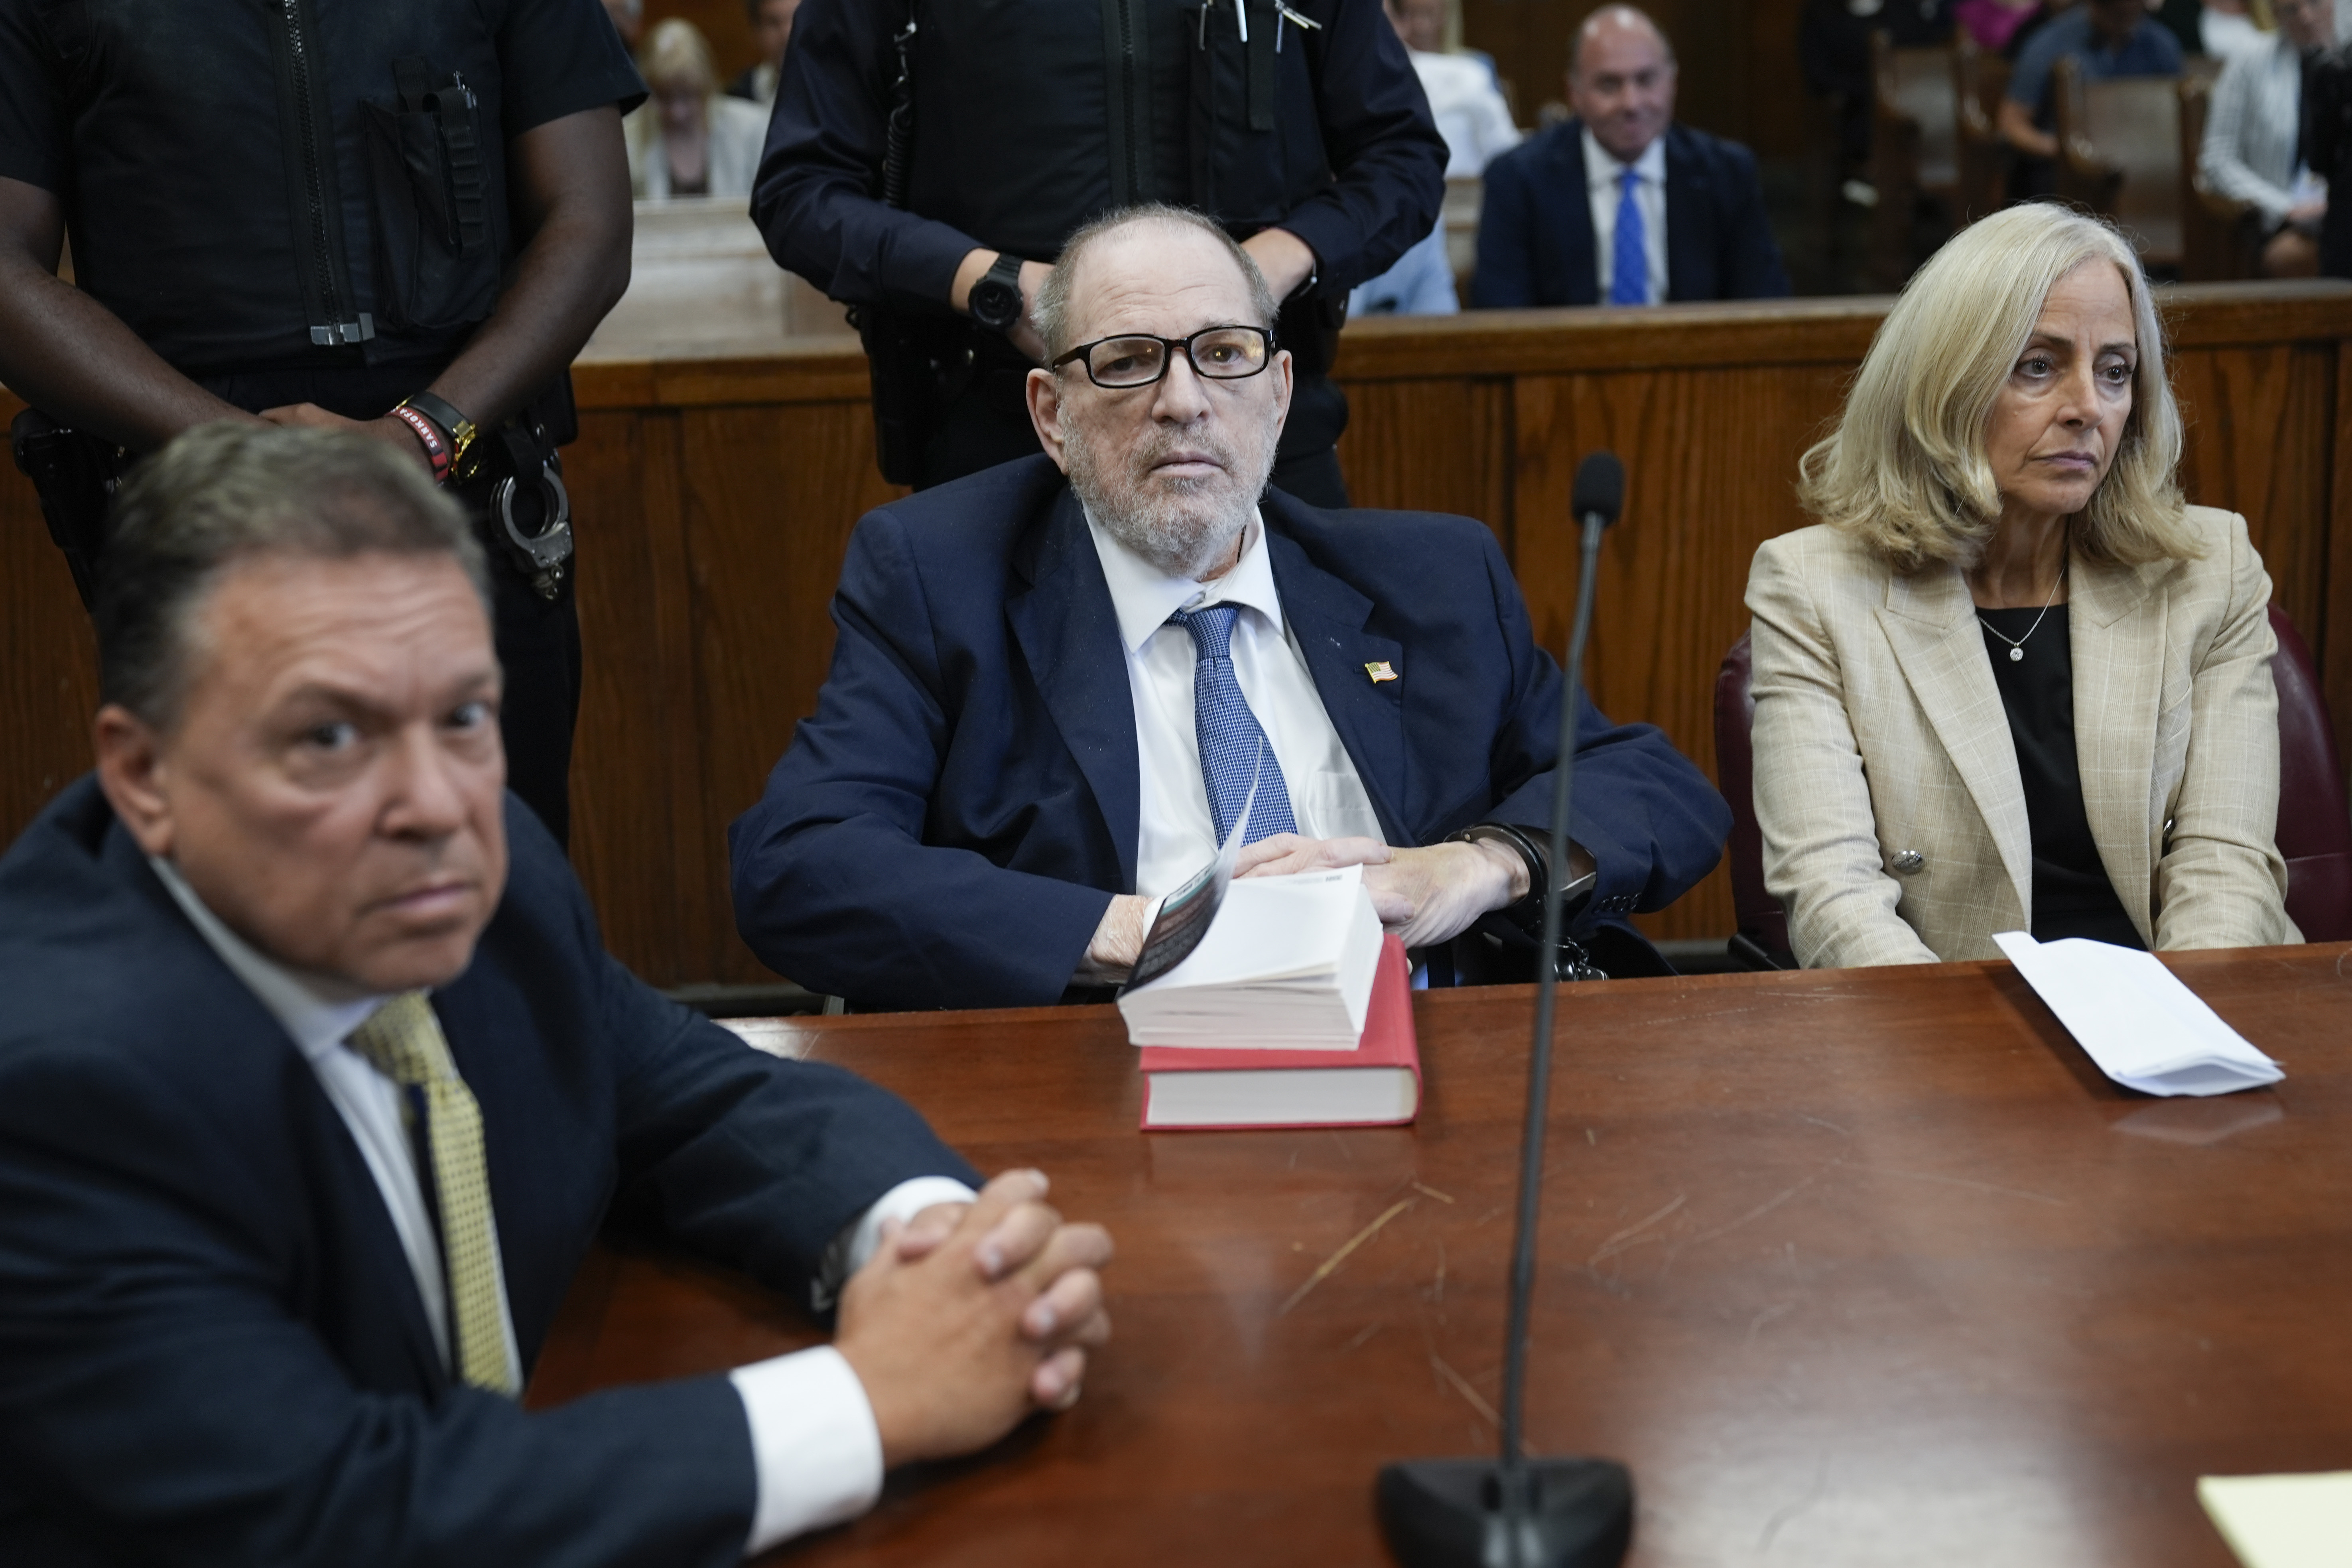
(970,1316)
(1424,896)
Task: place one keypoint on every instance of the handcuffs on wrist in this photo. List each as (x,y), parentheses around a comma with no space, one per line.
(542,553)
(1525,914)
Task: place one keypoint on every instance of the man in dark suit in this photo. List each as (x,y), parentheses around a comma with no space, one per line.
(1620,205)
(1056,680)
(315,1084)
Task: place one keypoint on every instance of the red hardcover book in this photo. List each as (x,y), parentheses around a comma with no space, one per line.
(1377,1084)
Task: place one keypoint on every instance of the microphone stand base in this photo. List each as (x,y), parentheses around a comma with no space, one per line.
(1448,1513)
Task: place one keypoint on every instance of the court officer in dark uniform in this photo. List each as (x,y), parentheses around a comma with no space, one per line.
(1298,126)
(407,218)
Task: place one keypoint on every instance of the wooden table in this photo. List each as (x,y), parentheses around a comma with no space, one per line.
(1865,1266)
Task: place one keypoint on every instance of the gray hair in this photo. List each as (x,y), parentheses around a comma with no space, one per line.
(1051,314)
(224,493)
(1904,468)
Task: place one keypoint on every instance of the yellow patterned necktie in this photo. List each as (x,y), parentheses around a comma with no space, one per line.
(404,1041)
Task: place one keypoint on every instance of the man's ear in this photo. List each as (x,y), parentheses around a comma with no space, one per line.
(1285,385)
(1044,391)
(131,769)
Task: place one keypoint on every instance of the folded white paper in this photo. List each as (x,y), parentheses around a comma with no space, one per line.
(2134,1019)
(2283,1521)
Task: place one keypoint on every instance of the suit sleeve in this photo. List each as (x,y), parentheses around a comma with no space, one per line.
(747,1158)
(162,1399)
(813,199)
(1506,279)
(1752,268)
(1386,157)
(834,883)
(2221,882)
(1821,856)
(1651,821)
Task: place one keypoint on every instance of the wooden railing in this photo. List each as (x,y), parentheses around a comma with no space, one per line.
(715,498)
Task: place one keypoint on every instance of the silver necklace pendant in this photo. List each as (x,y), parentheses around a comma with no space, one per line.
(2016,654)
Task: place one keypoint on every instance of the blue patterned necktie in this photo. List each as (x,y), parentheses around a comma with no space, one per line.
(1629,268)
(1232,741)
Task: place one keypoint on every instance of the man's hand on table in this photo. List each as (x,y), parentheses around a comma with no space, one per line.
(1425,895)
(970,1316)
(1118,941)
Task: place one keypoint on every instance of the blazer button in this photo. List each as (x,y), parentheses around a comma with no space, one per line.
(1908,862)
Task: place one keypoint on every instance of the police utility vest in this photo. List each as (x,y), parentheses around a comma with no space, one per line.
(256,181)
(1033,116)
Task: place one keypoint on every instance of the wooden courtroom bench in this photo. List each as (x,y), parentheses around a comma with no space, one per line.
(1914,156)
(714,497)
(1979,81)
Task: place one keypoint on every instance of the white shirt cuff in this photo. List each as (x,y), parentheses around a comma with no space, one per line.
(815,1447)
(901,1203)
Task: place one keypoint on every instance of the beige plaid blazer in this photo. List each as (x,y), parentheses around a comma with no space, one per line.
(1886,785)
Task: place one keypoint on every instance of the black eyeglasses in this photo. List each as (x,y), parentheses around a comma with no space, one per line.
(1219,353)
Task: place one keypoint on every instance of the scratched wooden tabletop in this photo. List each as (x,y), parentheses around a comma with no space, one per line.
(1861,1267)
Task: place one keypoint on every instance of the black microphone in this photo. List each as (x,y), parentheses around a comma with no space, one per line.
(1512,1511)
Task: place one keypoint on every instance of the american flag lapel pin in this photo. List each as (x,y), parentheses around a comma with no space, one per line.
(1379,672)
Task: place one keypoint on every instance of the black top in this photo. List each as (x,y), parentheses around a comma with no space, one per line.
(2071,895)
(235,174)
(1030,118)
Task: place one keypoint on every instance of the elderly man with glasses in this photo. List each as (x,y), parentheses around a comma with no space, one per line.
(1056,681)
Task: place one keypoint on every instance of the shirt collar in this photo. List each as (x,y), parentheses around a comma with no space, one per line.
(1144,597)
(1601,167)
(315,1011)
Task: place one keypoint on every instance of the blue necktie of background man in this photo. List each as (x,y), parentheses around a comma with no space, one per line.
(1629,274)
(1234,751)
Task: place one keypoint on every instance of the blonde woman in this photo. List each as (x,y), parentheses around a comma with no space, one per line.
(2011,681)
(689,139)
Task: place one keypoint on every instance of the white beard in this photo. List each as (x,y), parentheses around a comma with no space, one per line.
(1185,527)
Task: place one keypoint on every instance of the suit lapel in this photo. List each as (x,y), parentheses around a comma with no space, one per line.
(2116,630)
(1069,635)
(1328,618)
(1579,246)
(1689,216)
(1932,627)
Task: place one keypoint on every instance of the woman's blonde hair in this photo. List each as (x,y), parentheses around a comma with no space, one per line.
(676,51)
(1904,471)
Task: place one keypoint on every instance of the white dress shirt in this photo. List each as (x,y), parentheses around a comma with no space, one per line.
(1176,834)
(813,1442)
(1604,177)
(1469,111)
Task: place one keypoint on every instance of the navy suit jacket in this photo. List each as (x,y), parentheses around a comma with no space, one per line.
(949,827)
(212,1349)
(1535,224)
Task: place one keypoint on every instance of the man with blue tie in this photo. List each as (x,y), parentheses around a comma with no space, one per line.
(1055,682)
(1670,213)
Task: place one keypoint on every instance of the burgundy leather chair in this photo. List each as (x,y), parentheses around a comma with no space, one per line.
(2315,836)
(2315,831)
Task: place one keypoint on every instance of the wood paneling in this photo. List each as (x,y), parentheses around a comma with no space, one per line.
(48,681)
(1710,462)
(715,498)
(773,493)
(1438,445)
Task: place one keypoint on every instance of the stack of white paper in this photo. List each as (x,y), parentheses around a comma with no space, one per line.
(1288,964)
(2283,1521)
(2143,1028)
